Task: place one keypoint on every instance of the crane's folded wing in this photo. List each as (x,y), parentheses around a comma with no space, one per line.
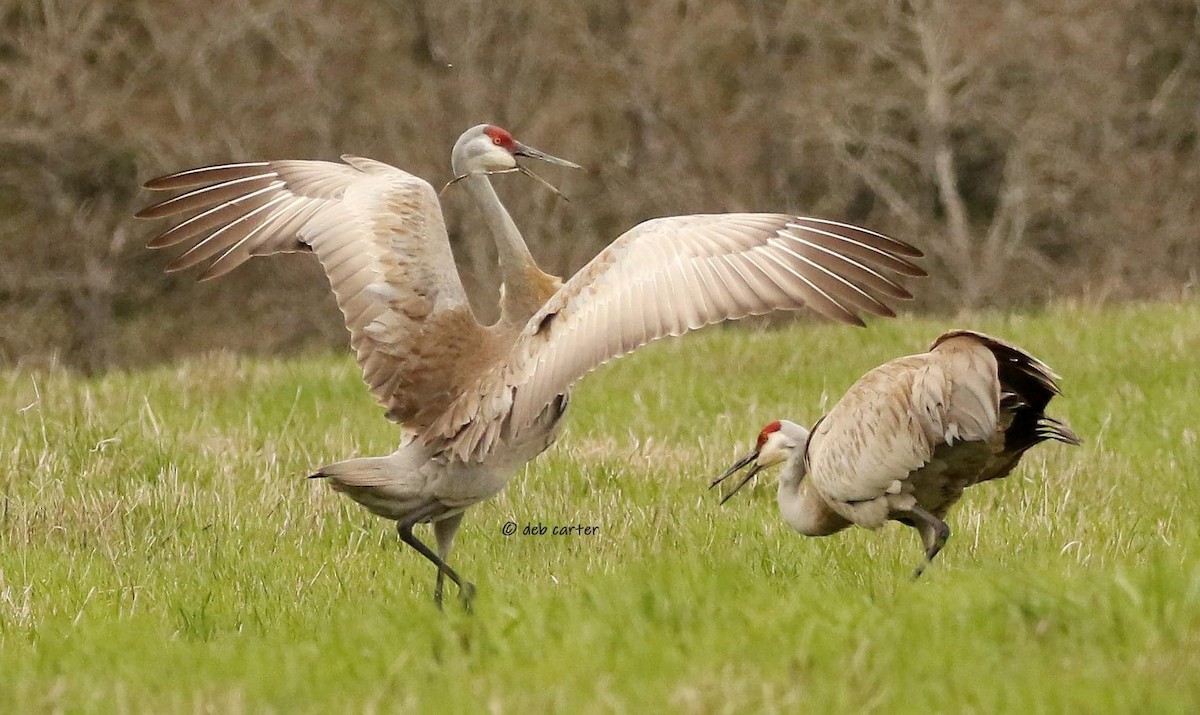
(893,419)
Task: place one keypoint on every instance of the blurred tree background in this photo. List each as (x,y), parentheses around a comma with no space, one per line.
(1033,148)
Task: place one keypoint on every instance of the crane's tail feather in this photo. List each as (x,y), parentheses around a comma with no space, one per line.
(1030,429)
(360,472)
(1050,428)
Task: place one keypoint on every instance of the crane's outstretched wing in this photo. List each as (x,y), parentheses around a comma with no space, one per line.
(665,277)
(894,419)
(380,236)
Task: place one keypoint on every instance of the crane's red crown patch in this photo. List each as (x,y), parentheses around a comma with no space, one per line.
(767,432)
(500,137)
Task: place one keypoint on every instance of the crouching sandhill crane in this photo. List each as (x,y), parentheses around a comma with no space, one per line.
(908,437)
(481,401)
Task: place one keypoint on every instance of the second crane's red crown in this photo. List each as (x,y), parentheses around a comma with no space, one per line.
(766,432)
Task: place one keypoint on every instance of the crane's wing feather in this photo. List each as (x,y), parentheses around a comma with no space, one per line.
(665,277)
(377,231)
(893,419)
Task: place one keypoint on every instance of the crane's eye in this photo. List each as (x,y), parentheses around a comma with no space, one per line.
(496,141)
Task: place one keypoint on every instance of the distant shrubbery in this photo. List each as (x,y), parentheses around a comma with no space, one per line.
(1034,149)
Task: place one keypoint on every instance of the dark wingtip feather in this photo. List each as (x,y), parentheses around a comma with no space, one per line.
(177,264)
(204,175)
(149,212)
(168,182)
(888,252)
(163,240)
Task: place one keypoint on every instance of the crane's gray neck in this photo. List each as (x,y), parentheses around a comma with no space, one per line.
(525,287)
(794,469)
(513,254)
(802,506)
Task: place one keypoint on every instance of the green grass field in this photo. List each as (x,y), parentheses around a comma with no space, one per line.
(161,550)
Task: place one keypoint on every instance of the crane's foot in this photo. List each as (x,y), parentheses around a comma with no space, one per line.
(934,533)
(466,594)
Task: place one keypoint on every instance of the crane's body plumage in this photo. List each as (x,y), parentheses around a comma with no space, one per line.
(914,430)
(419,473)
(911,435)
(476,402)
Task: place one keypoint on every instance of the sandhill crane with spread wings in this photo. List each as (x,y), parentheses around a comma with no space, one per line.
(908,437)
(481,401)
(380,236)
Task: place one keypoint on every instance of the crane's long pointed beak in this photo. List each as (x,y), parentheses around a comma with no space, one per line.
(746,461)
(741,463)
(525,150)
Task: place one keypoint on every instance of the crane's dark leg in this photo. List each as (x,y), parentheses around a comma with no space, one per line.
(444,531)
(934,533)
(405,526)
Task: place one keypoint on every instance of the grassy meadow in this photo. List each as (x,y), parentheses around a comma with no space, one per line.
(161,550)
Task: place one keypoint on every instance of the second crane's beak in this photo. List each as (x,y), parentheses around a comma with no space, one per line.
(747,461)
(525,150)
